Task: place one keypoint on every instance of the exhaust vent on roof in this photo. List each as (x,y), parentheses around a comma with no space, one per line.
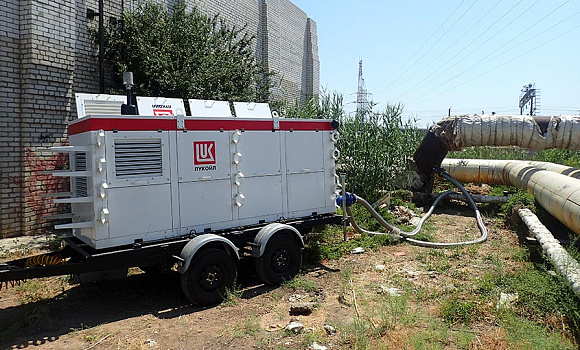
(96,107)
(138,158)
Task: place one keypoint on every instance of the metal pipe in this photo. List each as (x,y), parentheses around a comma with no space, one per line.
(557,193)
(101,48)
(344,218)
(458,196)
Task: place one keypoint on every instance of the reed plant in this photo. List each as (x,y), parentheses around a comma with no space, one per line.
(375,146)
(375,150)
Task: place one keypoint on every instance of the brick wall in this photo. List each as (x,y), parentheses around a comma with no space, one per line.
(10,149)
(46,56)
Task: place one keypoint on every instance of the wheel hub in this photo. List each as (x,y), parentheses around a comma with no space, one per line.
(211,277)
(281,260)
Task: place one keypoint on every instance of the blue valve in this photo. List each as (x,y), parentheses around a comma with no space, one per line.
(350,199)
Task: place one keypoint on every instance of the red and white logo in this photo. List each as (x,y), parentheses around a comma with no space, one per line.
(162,112)
(203,152)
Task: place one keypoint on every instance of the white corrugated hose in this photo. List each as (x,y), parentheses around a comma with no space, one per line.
(563,262)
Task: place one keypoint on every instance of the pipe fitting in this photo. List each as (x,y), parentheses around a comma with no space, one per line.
(349,198)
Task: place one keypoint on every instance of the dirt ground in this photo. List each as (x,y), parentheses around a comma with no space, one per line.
(150,312)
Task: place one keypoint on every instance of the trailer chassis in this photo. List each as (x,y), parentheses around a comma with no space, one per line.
(77,257)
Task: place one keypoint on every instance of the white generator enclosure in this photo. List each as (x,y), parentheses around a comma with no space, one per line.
(144,178)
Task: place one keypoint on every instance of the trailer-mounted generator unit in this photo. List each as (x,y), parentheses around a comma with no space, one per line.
(144,178)
(197,192)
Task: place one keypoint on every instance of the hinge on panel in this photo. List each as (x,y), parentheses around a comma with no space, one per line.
(104,217)
(103,189)
(101,164)
(180,121)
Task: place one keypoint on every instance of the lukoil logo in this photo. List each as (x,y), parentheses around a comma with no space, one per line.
(162,112)
(204,152)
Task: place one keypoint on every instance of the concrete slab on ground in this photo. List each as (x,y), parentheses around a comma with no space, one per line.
(13,244)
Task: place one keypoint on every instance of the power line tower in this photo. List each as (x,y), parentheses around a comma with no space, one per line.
(530,97)
(362,101)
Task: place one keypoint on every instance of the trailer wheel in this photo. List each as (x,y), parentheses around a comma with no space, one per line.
(281,259)
(211,273)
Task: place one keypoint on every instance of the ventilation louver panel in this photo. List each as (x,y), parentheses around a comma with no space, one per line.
(99,107)
(81,185)
(138,158)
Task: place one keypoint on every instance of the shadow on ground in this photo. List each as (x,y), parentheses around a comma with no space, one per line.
(86,306)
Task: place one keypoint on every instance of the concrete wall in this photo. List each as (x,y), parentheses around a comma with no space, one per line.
(286,40)
(46,56)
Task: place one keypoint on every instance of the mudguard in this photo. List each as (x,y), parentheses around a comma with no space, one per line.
(188,252)
(267,232)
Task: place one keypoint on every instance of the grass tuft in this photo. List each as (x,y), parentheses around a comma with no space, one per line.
(232,296)
(455,310)
(299,283)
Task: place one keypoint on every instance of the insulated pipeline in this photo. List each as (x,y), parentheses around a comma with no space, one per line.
(562,261)
(536,133)
(455,133)
(557,190)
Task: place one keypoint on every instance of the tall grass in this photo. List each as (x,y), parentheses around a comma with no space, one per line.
(375,149)
(327,106)
(374,146)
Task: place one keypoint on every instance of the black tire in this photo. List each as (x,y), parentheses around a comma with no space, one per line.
(211,273)
(281,259)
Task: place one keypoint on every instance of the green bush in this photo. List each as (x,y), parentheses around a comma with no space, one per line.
(185,55)
(374,146)
(520,199)
(540,294)
(559,156)
(329,244)
(325,106)
(455,310)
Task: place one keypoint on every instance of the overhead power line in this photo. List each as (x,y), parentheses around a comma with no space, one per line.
(568,108)
(426,79)
(498,66)
(423,83)
(425,23)
(435,43)
(486,59)
(421,47)
(451,45)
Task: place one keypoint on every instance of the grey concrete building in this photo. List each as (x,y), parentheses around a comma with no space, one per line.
(46,56)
